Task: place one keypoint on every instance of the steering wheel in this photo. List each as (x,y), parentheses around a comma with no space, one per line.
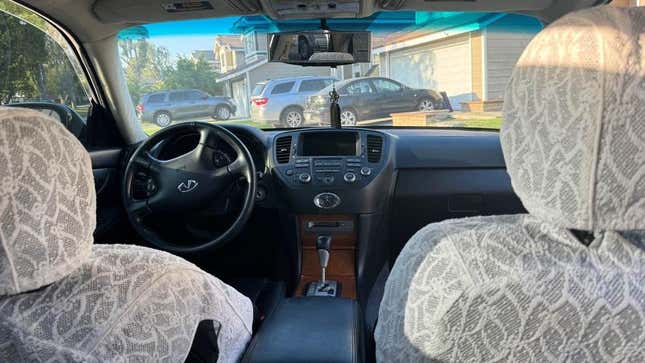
(187,183)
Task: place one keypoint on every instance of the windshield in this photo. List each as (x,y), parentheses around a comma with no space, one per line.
(426,69)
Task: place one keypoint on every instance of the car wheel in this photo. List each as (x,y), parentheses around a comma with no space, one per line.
(426,104)
(162,119)
(348,118)
(222,113)
(292,117)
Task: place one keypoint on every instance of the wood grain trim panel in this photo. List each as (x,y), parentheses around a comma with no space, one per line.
(342,260)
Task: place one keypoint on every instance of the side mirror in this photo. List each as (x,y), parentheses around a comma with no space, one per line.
(72,121)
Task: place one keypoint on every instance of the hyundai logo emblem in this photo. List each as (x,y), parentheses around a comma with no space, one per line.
(187,186)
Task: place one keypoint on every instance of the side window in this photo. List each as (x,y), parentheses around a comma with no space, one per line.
(177,97)
(282,88)
(313,85)
(39,69)
(359,87)
(194,95)
(157,98)
(384,85)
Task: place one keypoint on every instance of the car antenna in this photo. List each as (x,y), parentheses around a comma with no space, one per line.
(334,107)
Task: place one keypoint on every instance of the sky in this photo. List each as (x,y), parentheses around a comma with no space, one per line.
(184,44)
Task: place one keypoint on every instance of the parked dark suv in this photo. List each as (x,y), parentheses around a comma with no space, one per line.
(370,98)
(164,107)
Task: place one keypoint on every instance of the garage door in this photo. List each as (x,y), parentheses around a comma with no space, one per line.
(441,67)
(240,98)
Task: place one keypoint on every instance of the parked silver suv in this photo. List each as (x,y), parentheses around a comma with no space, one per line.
(281,101)
(166,106)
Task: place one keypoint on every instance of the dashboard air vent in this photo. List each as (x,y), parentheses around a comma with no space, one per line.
(374,148)
(283,149)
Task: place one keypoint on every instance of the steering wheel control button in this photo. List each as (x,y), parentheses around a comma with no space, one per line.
(304,178)
(327,200)
(349,177)
(365,171)
(260,194)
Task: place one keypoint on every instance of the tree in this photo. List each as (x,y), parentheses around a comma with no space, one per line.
(194,73)
(35,65)
(21,59)
(144,64)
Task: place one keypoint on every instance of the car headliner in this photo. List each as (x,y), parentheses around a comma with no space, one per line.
(95,20)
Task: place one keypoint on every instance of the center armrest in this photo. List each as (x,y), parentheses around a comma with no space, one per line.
(309,329)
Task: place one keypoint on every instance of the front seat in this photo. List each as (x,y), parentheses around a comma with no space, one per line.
(565,282)
(63,299)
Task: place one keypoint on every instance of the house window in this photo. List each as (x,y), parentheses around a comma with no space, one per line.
(249,42)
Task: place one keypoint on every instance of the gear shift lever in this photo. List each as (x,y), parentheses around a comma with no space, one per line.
(323,287)
(323,245)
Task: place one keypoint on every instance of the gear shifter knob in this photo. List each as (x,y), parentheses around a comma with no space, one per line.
(323,242)
(323,245)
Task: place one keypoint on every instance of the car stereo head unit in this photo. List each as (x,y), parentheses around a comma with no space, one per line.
(329,143)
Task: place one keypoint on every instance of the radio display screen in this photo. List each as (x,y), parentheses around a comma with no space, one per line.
(329,144)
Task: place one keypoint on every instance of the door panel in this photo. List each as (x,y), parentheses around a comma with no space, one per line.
(111,221)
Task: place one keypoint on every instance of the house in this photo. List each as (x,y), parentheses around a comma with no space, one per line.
(228,52)
(470,56)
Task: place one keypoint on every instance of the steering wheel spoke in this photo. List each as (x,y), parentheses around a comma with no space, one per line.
(139,209)
(208,137)
(239,167)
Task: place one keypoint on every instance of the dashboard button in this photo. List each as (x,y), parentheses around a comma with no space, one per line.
(366,171)
(328,179)
(349,177)
(289,172)
(304,178)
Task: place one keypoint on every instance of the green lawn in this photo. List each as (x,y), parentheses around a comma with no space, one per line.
(150,128)
(483,123)
(493,123)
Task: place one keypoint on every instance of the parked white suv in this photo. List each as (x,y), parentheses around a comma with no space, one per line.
(281,101)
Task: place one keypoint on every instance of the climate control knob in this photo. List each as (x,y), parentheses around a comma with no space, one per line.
(349,177)
(365,171)
(304,178)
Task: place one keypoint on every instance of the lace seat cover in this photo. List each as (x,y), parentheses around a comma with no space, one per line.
(63,299)
(524,288)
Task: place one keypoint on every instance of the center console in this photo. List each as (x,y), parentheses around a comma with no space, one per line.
(309,330)
(330,170)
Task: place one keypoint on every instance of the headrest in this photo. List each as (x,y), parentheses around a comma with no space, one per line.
(573,134)
(47,201)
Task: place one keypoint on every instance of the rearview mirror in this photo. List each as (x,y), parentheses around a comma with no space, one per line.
(320,48)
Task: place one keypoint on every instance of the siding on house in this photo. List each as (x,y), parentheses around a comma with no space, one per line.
(476,65)
(505,42)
